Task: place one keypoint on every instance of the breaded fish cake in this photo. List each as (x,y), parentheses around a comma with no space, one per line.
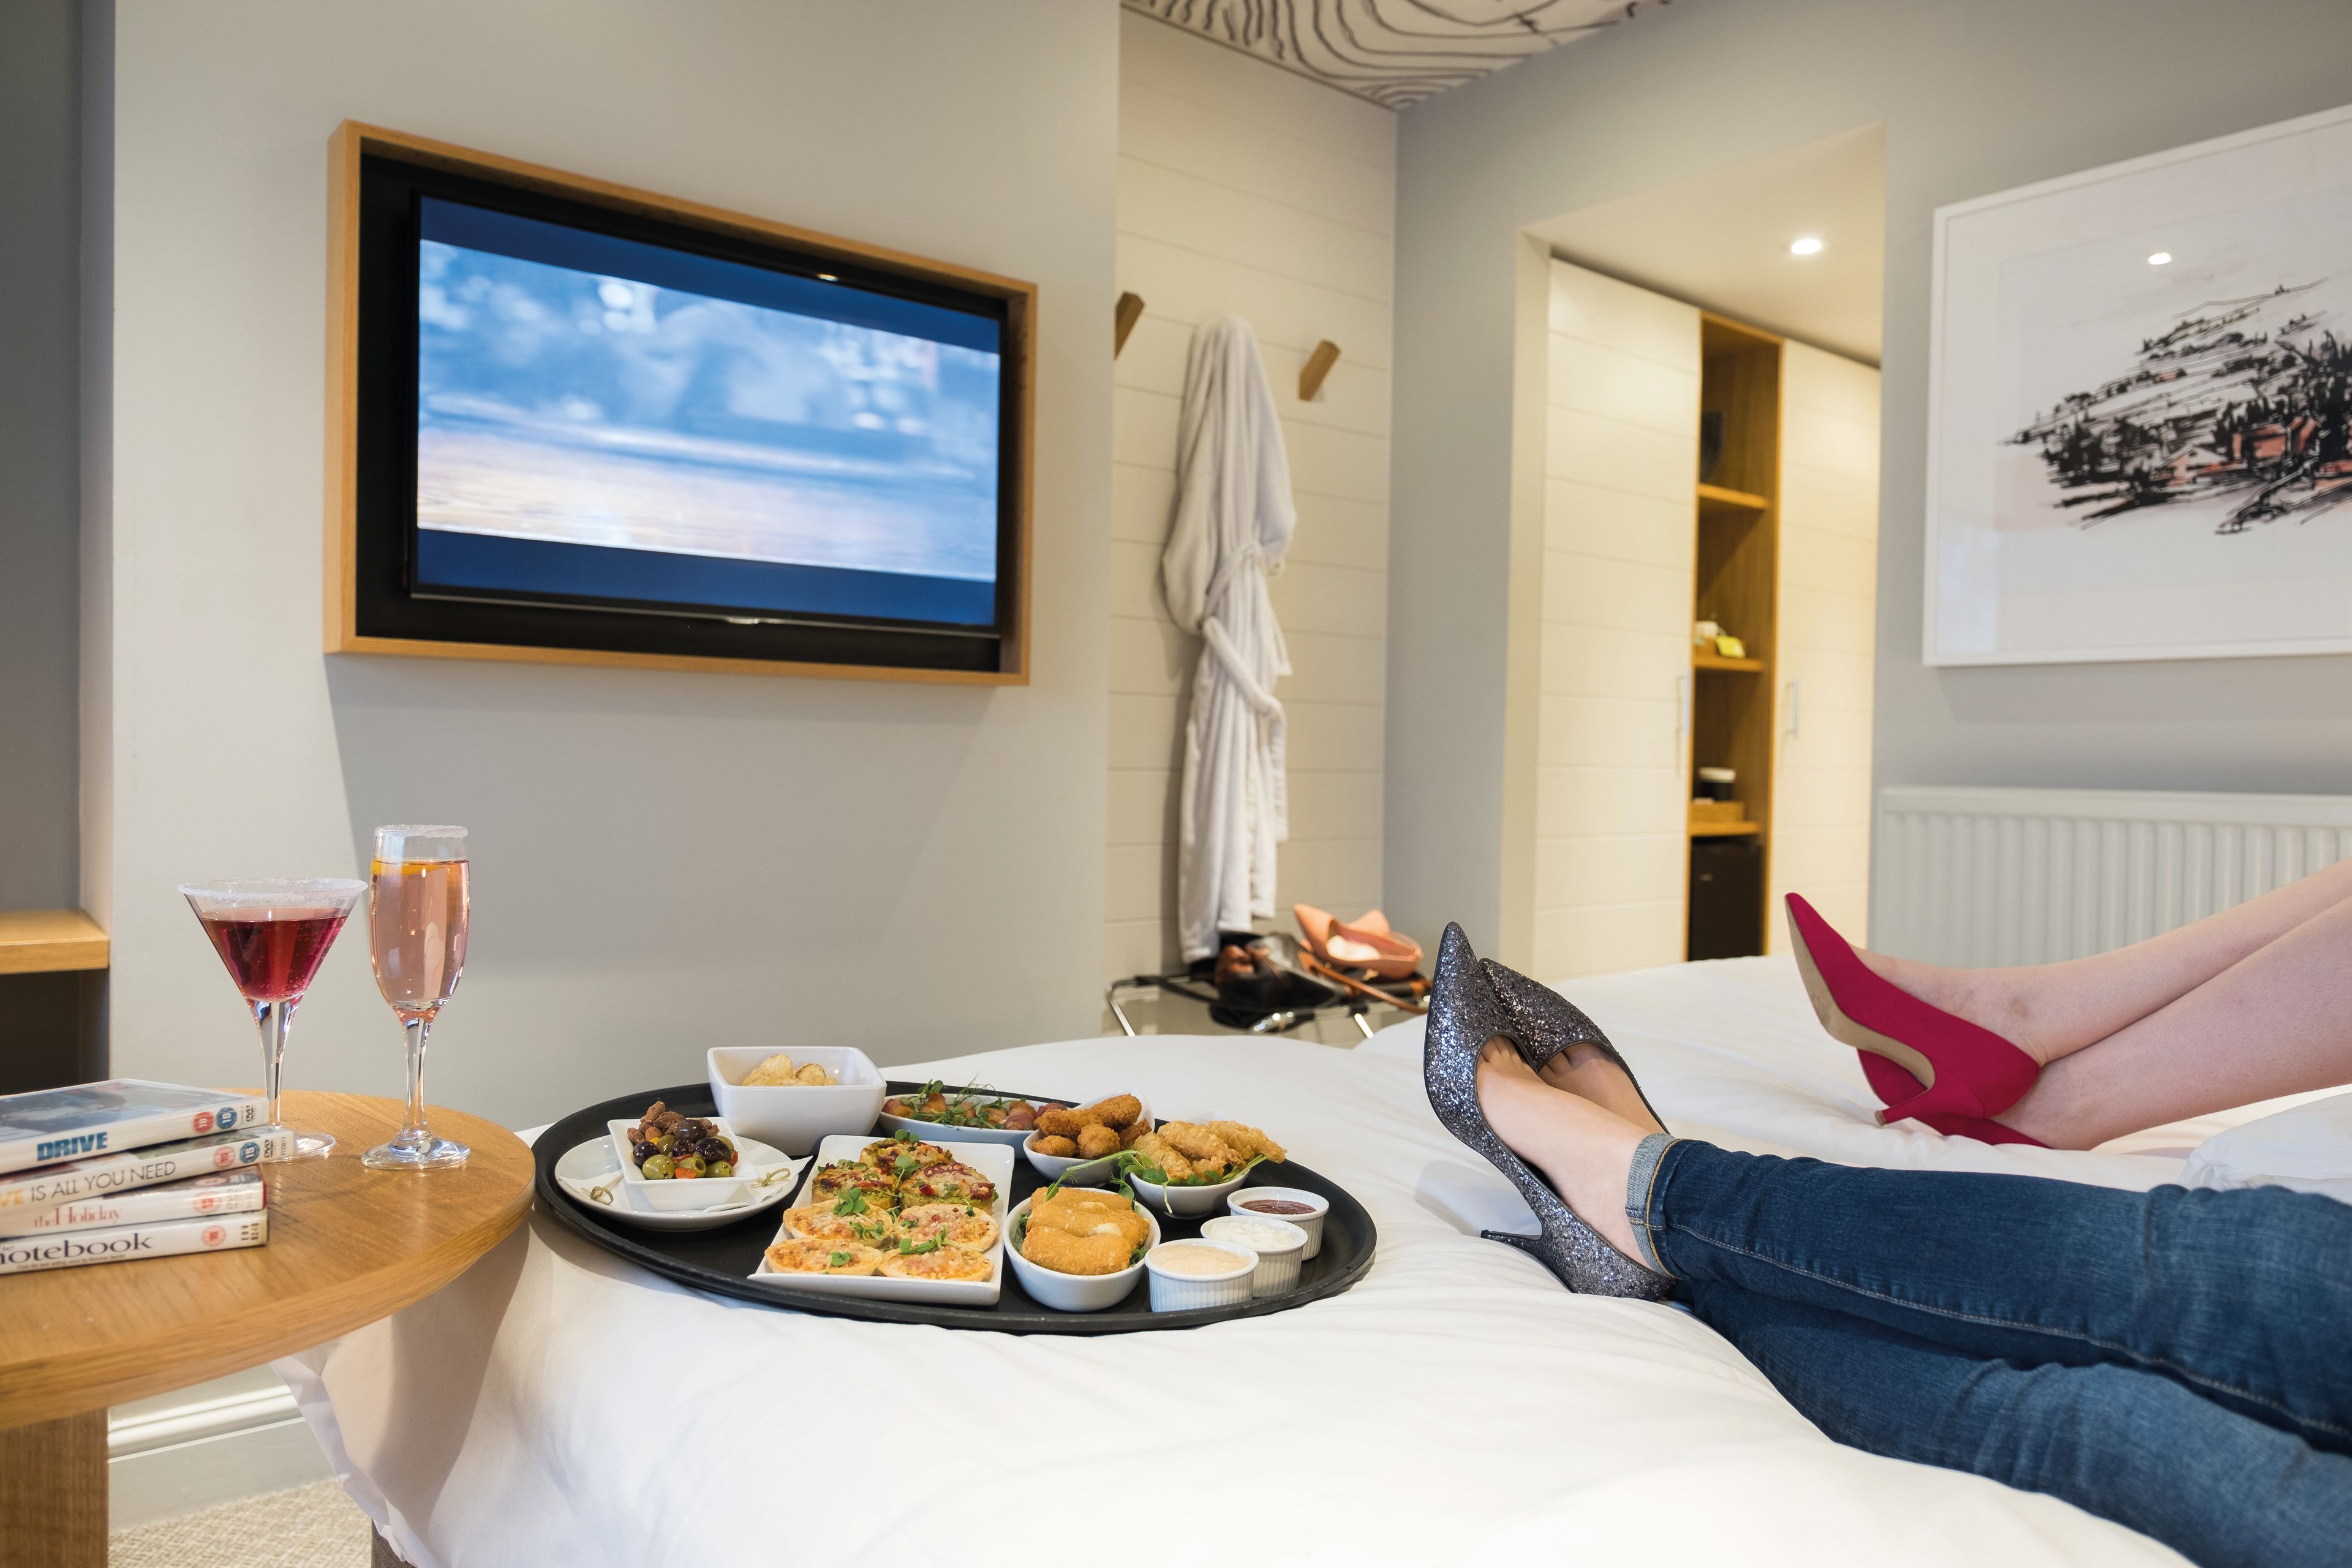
(947,1263)
(1065,1254)
(949,1181)
(1083,1211)
(874,1227)
(884,1154)
(1248,1140)
(1119,1112)
(955,1224)
(821,1257)
(1094,1143)
(1060,1148)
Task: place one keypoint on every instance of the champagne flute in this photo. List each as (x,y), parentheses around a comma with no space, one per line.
(417,904)
(273,935)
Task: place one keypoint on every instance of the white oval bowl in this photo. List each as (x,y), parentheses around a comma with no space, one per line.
(1312,1223)
(1185,1292)
(1070,1292)
(1072,1170)
(1183,1202)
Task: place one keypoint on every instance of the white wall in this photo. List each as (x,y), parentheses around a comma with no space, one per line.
(1246,190)
(662,860)
(1975,99)
(1622,432)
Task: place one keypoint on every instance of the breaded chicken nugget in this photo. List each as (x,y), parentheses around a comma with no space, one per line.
(1127,1138)
(1248,1140)
(1119,1112)
(1065,1254)
(1155,1147)
(1200,1145)
(1060,1148)
(1066,1123)
(1094,1143)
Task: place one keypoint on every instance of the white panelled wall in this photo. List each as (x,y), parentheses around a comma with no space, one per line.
(1244,190)
(1829,588)
(1620,438)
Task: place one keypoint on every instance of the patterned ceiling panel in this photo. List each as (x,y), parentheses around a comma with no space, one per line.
(1394,52)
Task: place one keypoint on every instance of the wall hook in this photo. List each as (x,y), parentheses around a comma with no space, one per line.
(1123,320)
(1319,366)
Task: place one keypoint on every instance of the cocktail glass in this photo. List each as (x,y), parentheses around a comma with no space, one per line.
(417,904)
(273,935)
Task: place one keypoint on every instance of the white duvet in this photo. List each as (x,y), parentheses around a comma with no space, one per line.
(556,1406)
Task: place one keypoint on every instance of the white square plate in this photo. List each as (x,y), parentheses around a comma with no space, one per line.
(994,1161)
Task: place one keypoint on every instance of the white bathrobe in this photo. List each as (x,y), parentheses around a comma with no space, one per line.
(1233,521)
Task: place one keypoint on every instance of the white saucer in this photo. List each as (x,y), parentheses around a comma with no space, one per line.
(593,1166)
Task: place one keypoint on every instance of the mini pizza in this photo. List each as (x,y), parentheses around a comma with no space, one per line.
(955,1224)
(947,1264)
(821,1257)
(948,1182)
(864,1227)
(897,1156)
(834,1181)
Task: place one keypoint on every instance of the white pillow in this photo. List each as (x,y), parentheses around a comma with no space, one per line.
(2308,1149)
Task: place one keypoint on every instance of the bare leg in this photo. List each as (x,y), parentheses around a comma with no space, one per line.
(2276,1022)
(1584,1151)
(2050,1010)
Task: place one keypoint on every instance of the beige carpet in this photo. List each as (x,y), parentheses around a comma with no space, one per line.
(303,1526)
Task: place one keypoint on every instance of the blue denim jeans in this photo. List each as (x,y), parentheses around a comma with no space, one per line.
(2178,1362)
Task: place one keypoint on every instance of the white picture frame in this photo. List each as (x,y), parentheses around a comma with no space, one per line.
(2124,459)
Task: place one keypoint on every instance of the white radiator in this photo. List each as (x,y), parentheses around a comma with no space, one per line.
(1984,877)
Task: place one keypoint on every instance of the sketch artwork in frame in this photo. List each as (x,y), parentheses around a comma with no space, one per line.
(2140,408)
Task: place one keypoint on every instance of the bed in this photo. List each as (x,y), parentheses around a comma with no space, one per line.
(557,1405)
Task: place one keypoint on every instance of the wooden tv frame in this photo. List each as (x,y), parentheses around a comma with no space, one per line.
(352,140)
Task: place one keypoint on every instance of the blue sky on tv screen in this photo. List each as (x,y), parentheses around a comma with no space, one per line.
(580,406)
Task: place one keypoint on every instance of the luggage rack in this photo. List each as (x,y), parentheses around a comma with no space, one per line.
(1306,1007)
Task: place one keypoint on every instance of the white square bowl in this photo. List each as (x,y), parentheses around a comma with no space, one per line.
(670,1196)
(794,1116)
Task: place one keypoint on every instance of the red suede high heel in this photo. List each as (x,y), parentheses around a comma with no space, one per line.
(1926,1063)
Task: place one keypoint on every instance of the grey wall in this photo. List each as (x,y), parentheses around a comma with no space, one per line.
(663,861)
(38,420)
(1976,98)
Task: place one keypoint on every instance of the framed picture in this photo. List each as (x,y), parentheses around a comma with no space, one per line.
(2140,408)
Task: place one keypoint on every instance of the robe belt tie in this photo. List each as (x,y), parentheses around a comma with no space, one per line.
(1243,679)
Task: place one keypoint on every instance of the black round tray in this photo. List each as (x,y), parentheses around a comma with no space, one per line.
(720,1260)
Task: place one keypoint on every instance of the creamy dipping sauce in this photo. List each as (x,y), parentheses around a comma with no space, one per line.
(1279,1206)
(1258,1234)
(1191,1257)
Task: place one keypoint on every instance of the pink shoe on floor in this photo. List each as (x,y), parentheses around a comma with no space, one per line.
(1926,1064)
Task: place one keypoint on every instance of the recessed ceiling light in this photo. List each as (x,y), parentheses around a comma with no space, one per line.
(1810,244)
(2161,259)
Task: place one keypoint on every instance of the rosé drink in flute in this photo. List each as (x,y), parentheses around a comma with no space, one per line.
(419,899)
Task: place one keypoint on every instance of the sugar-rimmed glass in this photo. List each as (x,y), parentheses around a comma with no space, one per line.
(418,901)
(273,935)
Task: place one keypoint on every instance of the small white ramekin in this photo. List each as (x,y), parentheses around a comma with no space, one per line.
(1312,1223)
(1183,1292)
(1278,1264)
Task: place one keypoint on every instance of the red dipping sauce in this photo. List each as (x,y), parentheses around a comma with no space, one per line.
(1279,1206)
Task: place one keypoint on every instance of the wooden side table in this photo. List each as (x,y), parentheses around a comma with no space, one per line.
(347,1246)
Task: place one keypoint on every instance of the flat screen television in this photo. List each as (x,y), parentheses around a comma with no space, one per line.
(588,424)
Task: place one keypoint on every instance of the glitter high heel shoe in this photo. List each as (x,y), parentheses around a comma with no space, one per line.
(1553,1023)
(1465,1012)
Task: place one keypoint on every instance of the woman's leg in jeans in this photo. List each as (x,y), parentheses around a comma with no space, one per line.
(2243,1296)
(2130,1446)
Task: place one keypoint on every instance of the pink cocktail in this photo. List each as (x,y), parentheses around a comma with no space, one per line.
(272,936)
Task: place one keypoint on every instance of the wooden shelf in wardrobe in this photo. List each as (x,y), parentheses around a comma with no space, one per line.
(1717,495)
(1701,660)
(46,941)
(1723,829)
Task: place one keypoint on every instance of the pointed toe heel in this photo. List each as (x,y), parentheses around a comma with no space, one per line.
(1552,1023)
(1465,1012)
(1923,1062)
